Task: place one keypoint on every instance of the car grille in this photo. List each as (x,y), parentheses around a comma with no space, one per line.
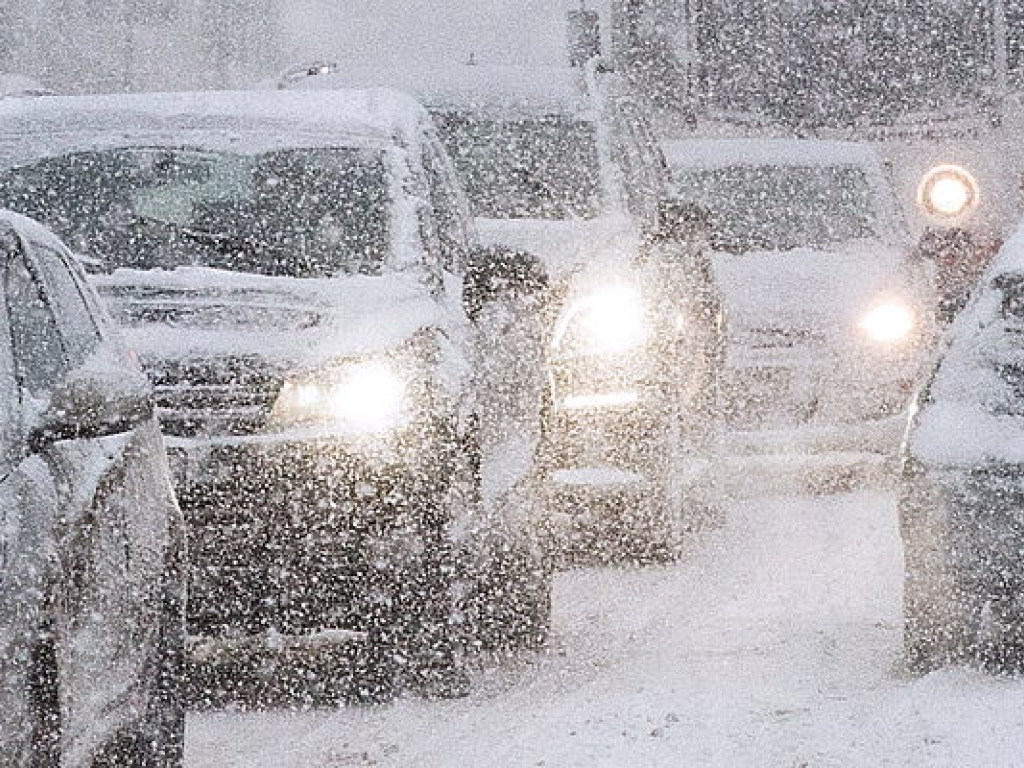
(230,396)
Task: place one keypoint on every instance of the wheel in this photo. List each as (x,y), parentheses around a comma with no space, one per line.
(509,606)
(412,641)
(996,632)
(932,630)
(44,700)
(159,740)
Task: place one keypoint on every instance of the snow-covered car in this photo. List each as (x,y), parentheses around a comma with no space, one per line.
(297,272)
(961,491)
(92,624)
(830,313)
(562,162)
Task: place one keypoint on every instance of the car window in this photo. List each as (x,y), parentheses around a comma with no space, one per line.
(294,212)
(449,211)
(782,208)
(76,318)
(641,194)
(544,167)
(39,354)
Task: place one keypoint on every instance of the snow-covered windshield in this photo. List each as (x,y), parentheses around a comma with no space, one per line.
(528,168)
(782,208)
(297,212)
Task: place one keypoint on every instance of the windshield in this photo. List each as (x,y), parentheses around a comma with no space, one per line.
(781,208)
(538,168)
(299,213)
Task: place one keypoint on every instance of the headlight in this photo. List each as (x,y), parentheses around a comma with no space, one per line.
(359,397)
(948,190)
(607,322)
(889,322)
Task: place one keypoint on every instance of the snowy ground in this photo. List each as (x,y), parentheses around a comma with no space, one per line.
(775,642)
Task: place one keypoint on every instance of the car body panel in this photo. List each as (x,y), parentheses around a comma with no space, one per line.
(86,540)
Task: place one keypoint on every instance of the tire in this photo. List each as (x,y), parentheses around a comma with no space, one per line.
(996,633)
(932,631)
(44,697)
(510,603)
(159,740)
(412,641)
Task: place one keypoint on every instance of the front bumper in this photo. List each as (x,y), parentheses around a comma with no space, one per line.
(289,538)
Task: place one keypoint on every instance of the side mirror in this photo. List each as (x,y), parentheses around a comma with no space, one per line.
(92,403)
(495,272)
(681,221)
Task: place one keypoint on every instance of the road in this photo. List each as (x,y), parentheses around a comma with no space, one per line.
(774,642)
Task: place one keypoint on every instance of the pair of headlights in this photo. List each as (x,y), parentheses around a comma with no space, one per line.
(612,321)
(359,397)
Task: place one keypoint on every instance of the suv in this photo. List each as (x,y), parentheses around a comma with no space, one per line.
(562,162)
(830,311)
(961,493)
(91,540)
(294,270)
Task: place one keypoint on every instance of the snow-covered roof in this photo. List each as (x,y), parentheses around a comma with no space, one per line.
(718,153)
(239,121)
(533,89)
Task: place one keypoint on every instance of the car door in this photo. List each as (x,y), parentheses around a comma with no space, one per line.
(103,617)
(28,512)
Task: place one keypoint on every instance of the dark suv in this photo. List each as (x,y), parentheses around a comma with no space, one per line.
(92,629)
(962,487)
(296,271)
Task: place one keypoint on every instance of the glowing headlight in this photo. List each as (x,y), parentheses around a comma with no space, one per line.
(889,322)
(948,190)
(359,397)
(608,322)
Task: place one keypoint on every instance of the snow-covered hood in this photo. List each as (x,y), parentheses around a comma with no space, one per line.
(819,291)
(202,312)
(564,245)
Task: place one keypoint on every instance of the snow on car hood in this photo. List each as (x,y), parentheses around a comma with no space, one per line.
(567,243)
(203,312)
(816,290)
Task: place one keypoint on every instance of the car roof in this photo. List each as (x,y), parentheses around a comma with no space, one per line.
(244,121)
(551,90)
(718,153)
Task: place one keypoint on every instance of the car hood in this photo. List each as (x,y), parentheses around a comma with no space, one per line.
(564,245)
(202,312)
(809,289)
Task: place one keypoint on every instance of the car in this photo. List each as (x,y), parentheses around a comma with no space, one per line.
(960,487)
(563,163)
(831,313)
(92,574)
(297,272)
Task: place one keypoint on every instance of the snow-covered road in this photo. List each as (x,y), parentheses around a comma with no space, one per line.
(775,642)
